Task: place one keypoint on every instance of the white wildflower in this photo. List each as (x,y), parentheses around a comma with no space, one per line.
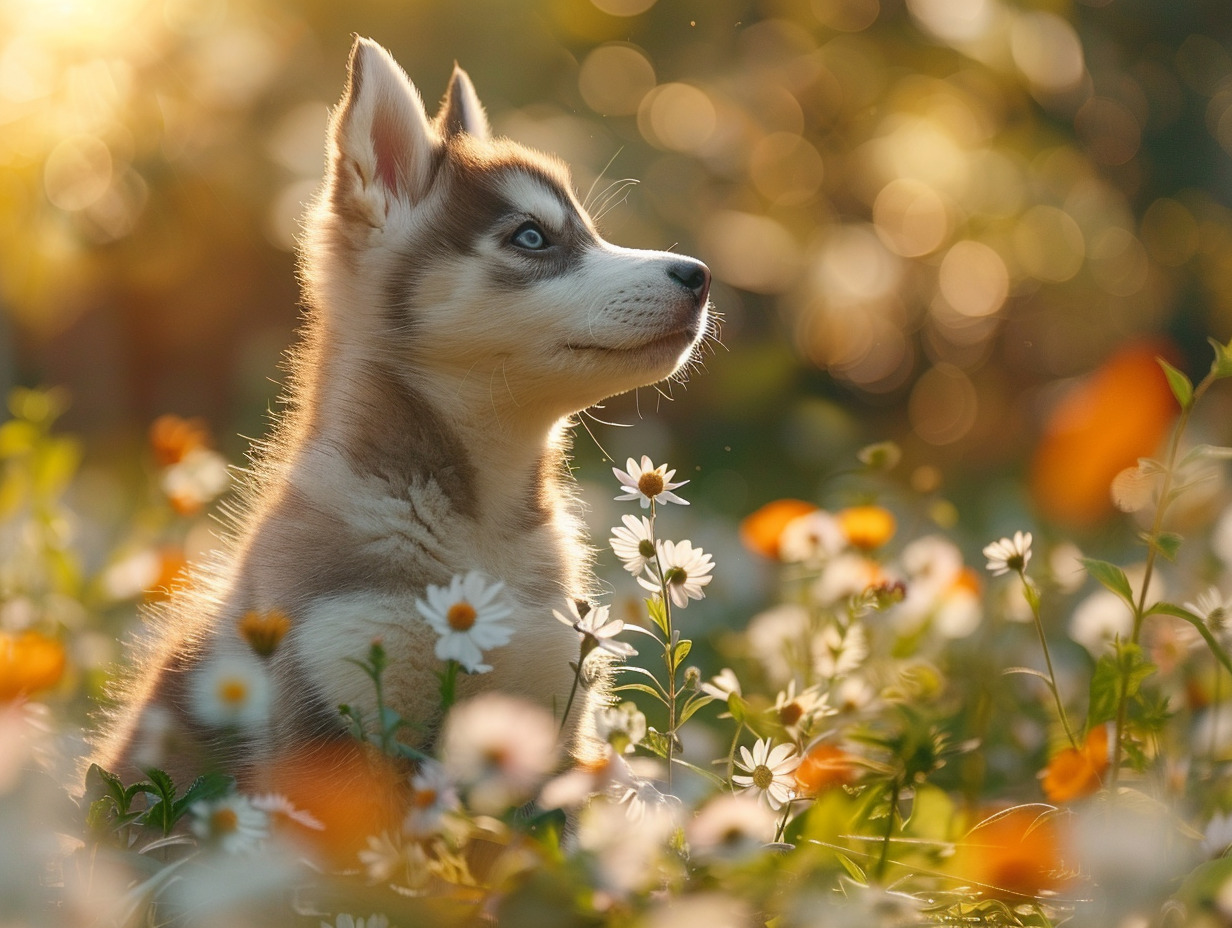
(279,808)
(500,749)
(1214,609)
(623,726)
(1100,619)
(648,483)
(232,824)
(730,827)
(231,691)
(598,630)
(683,570)
(634,543)
(468,616)
(346,920)
(769,772)
(811,538)
(1009,554)
(434,797)
(722,685)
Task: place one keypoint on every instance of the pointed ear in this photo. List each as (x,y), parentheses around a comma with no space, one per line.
(380,136)
(461,110)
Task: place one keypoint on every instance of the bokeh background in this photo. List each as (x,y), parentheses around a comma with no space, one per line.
(967,226)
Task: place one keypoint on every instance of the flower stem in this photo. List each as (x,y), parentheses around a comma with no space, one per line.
(449,684)
(1165,492)
(884,859)
(577,676)
(669,651)
(1033,602)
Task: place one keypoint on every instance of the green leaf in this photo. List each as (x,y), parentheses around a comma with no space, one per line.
(680,652)
(1166,543)
(640,688)
(1181,386)
(1111,577)
(205,788)
(853,869)
(695,702)
(658,614)
(1117,676)
(1222,365)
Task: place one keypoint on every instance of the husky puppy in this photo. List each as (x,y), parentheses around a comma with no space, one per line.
(461,307)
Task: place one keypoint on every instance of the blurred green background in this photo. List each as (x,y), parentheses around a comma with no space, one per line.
(928,220)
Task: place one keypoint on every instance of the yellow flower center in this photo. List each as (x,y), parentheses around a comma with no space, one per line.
(233,691)
(423,798)
(264,631)
(677,576)
(461,616)
(224,821)
(763,776)
(650,483)
(790,713)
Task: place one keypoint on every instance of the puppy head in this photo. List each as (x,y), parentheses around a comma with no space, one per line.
(465,262)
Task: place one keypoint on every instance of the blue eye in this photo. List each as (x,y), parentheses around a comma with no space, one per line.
(530,236)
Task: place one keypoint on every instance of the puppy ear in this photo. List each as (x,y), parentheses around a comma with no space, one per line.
(461,110)
(380,137)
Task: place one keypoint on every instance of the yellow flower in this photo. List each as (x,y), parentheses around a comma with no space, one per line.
(825,765)
(1013,854)
(28,663)
(1076,772)
(867,527)
(173,437)
(761,530)
(264,631)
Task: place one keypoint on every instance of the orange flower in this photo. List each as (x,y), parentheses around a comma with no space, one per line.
(825,765)
(760,531)
(349,787)
(867,527)
(28,663)
(172,437)
(1013,854)
(1073,773)
(1117,414)
(264,631)
(172,566)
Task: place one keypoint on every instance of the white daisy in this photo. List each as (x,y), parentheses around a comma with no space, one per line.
(231,691)
(769,772)
(500,749)
(346,920)
(811,538)
(279,808)
(730,827)
(468,616)
(796,711)
(622,726)
(648,483)
(232,824)
(722,685)
(433,797)
(633,544)
(686,570)
(598,630)
(1214,609)
(1009,554)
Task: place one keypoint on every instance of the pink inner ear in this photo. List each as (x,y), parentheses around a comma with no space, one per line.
(390,154)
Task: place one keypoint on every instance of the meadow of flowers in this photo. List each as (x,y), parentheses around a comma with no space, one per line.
(905,735)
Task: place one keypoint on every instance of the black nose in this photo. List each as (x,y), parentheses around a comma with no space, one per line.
(693,276)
